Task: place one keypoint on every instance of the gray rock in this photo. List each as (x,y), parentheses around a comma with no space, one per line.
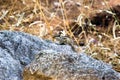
(17,49)
(53,65)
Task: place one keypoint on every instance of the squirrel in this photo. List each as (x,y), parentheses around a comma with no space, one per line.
(64,40)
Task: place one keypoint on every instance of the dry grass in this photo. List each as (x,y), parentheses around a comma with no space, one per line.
(42,18)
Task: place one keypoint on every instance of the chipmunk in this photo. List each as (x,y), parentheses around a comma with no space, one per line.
(63,40)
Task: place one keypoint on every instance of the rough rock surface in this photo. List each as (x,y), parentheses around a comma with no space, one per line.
(17,49)
(53,65)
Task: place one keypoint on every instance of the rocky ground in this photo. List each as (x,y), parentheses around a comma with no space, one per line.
(26,57)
